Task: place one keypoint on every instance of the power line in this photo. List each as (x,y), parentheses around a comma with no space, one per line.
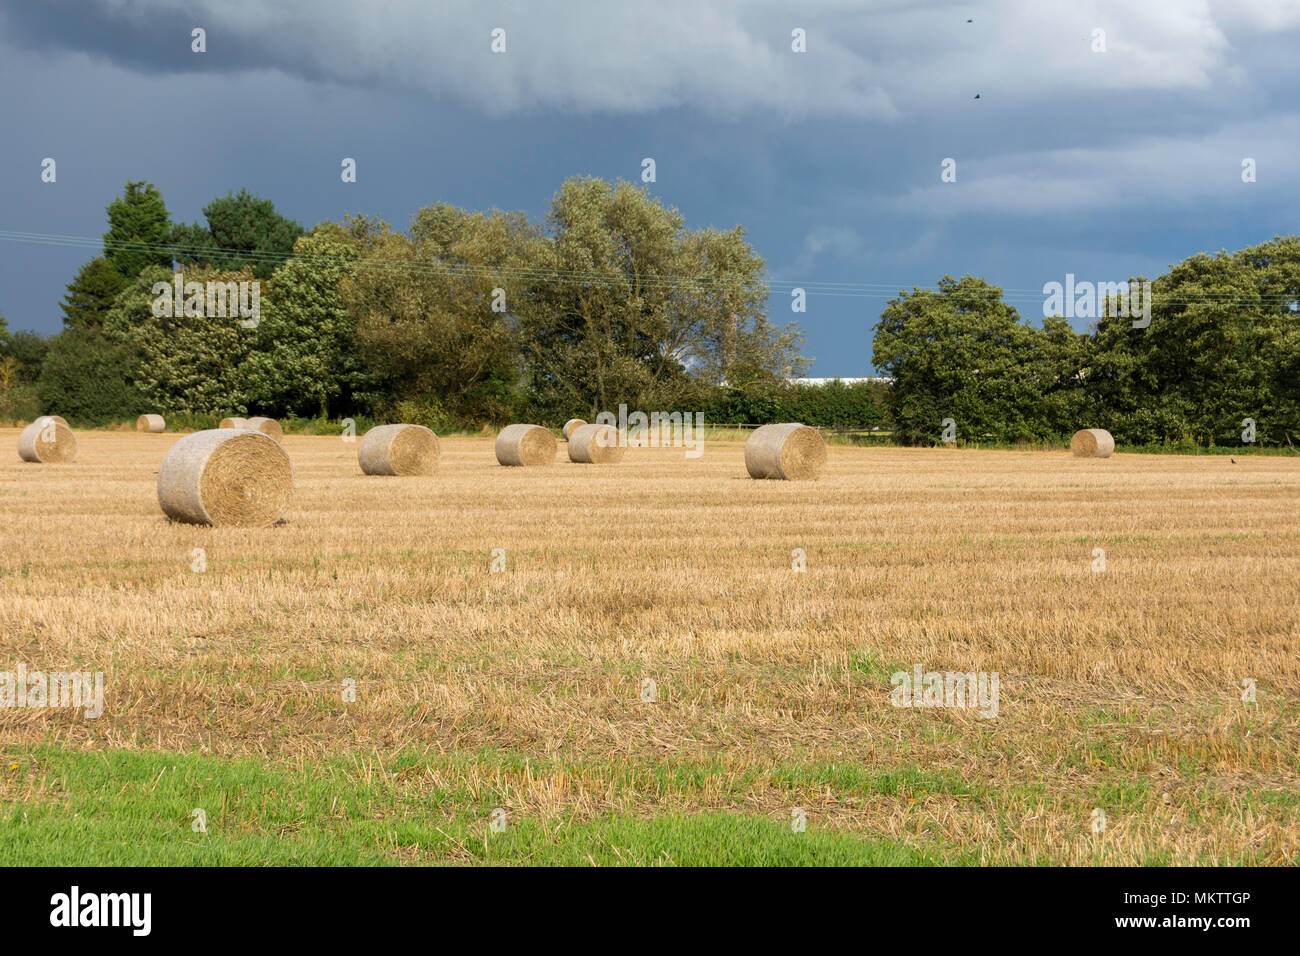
(413,265)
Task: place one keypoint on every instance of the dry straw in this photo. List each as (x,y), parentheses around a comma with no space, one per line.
(526,445)
(233,422)
(150,423)
(57,418)
(570,425)
(790,451)
(267,426)
(398,450)
(1092,443)
(596,445)
(229,477)
(47,440)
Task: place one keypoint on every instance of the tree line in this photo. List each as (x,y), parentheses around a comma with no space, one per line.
(472,318)
(464,318)
(1218,363)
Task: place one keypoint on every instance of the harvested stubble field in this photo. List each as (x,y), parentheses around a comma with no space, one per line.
(1119,690)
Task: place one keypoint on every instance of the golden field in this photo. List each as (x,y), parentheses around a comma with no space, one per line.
(1119,690)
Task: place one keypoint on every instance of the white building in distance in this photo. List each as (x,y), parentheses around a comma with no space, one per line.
(879,379)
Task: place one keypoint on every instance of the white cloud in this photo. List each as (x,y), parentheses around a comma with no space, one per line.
(1149,172)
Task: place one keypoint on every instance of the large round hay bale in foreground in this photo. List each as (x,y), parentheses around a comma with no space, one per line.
(233,423)
(570,425)
(150,423)
(398,450)
(267,426)
(225,477)
(789,451)
(526,445)
(47,441)
(595,445)
(1092,443)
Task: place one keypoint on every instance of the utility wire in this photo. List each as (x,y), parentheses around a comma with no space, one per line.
(424,266)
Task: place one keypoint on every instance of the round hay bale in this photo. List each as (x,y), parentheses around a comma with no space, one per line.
(233,423)
(595,445)
(150,423)
(526,445)
(789,451)
(398,450)
(58,418)
(225,477)
(570,425)
(267,426)
(47,441)
(1092,443)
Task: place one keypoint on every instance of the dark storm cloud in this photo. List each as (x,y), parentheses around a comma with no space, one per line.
(155,40)
(1099,164)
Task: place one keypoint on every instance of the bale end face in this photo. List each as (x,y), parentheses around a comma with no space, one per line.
(225,477)
(526,445)
(570,425)
(48,442)
(595,445)
(1092,443)
(398,450)
(788,451)
(267,426)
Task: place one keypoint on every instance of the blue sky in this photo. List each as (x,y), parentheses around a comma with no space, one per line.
(1104,164)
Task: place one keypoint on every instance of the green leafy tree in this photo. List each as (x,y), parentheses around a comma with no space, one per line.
(8,367)
(423,303)
(1220,348)
(1062,356)
(183,363)
(18,401)
(28,350)
(1286,386)
(8,374)
(243,231)
(138,230)
(960,352)
(89,376)
(91,294)
(630,306)
(303,357)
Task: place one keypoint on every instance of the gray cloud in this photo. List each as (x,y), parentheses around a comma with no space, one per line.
(722,57)
(1099,164)
(1197,170)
